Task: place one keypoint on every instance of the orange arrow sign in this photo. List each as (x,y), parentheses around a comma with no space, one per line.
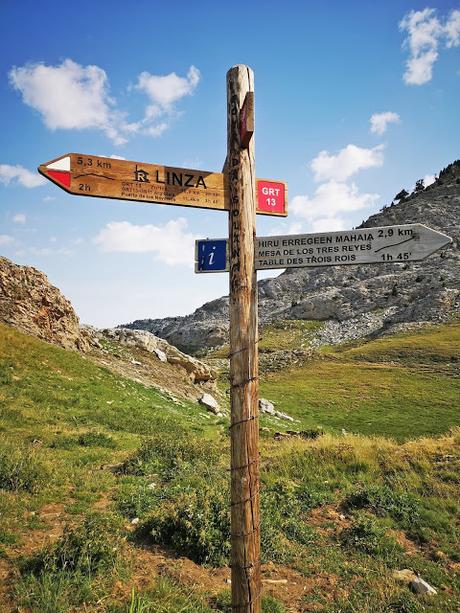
(91,175)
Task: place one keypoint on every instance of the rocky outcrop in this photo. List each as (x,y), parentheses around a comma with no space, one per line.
(206,327)
(355,301)
(31,304)
(196,370)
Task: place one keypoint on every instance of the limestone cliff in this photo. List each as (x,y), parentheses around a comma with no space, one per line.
(30,303)
(353,301)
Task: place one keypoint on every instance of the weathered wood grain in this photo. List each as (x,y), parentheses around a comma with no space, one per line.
(244,385)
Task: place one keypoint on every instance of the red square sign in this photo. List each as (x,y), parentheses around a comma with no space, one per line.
(271,197)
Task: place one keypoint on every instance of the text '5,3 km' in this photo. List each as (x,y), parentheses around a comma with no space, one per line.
(90,175)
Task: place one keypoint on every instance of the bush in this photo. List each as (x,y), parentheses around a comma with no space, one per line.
(169,453)
(134,500)
(196,522)
(312,496)
(196,525)
(63,576)
(283,506)
(21,469)
(6,372)
(89,548)
(366,535)
(382,500)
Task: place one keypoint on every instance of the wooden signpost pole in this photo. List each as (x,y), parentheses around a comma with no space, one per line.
(244,384)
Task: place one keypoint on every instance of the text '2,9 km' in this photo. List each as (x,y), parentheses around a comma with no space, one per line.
(90,175)
(404,243)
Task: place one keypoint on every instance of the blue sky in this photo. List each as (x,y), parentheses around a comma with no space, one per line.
(147,82)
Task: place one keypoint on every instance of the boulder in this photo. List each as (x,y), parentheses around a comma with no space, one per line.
(161,355)
(416,583)
(420,586)
(265,406)
(404,576)
(210,403)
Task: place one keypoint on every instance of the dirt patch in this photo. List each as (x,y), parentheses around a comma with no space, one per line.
(328,520)
(281,582)
(6,582)
(409,546)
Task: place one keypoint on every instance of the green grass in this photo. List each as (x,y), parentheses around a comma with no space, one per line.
(403,387)
(74,570)
(284,334)
(83,452)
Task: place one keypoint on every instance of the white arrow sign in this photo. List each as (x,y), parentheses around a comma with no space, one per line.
(404,243)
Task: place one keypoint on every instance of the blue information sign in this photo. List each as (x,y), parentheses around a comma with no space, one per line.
(211,255)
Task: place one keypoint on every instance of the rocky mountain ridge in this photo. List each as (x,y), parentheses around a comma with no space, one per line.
(353,301)
(30,303)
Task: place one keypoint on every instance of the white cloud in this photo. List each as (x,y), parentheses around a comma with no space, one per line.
(70,96)
(346,163)
(158,129)
(49,198)
(21,175)
(164,90)
(5,239)
(428,180)
(330,200)
(452,29)
(425,32)
(20,218)
(379,121)
(171,243)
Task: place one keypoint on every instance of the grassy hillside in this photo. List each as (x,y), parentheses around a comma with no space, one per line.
(402,386)
(114,498)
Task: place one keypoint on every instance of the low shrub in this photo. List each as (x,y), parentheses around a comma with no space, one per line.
(196,524)
(21,468)
(79,568)
(383,500)
(169,453)
(284,525)
(312,496)
(88,548)
(136,500)
(367,535)
(86,439)
(6,372)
